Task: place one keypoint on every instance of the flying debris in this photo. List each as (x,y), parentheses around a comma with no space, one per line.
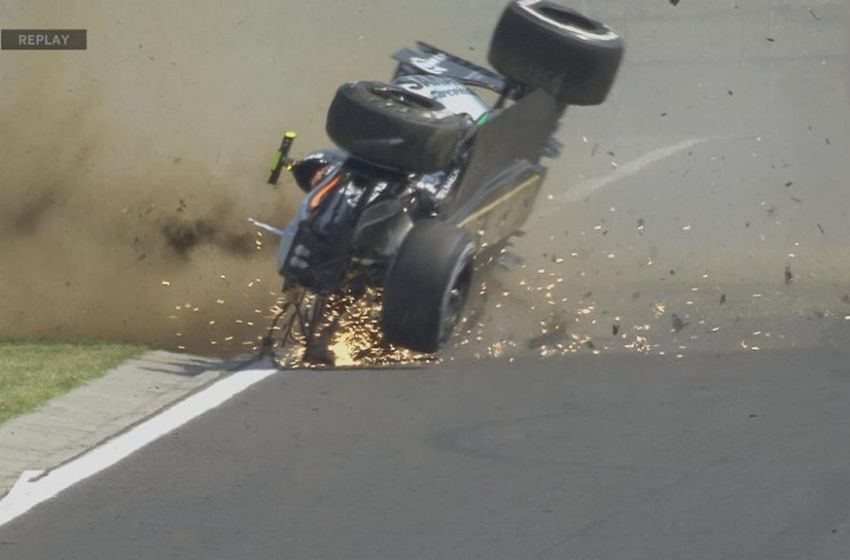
(510,260)
(554,332)
(678,323)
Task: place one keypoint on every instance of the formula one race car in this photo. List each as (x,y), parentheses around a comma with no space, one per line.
(426,175)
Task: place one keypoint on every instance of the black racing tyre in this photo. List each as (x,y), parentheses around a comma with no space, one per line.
(543,44)
(391,127)
(427,285)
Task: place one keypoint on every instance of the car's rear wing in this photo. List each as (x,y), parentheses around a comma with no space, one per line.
(431,60)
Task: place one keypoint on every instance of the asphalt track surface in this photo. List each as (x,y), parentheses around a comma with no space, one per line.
(719,162)
(607,458)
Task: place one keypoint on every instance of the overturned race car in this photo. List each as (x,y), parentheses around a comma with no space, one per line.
(427,180)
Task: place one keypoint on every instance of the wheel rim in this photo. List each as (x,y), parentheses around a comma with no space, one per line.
(455,300)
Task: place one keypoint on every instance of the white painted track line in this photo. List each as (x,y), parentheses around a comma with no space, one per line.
(26,495)
(588,187)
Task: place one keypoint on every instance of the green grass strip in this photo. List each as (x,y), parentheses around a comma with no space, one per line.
(32,373)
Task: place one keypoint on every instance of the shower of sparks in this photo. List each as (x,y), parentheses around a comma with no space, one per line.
(589,325)
(640,344)
(358,340)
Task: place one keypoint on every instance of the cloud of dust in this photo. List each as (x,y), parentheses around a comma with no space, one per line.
(126,184)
